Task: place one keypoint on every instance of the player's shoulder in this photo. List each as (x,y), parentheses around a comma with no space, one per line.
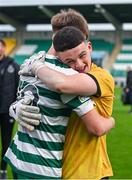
(56,64)
(104,73)
(54,61)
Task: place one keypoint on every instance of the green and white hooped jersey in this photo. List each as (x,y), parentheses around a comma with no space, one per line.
(38,154)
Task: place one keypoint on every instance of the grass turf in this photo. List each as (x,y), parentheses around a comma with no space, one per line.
(118,140)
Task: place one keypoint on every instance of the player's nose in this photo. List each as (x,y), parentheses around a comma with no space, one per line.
(79,65)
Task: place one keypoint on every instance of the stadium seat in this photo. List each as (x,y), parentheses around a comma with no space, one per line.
(123,61)
(101,50)
(30,47)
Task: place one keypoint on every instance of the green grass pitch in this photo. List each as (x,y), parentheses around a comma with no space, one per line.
(119,140)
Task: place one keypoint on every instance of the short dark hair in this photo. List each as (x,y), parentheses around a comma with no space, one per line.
(67,38)
(3,42)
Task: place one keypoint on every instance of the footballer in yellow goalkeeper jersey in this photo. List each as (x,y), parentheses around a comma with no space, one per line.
(85,155)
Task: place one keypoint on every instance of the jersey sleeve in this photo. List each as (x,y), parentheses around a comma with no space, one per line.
(79,104)
(103,80)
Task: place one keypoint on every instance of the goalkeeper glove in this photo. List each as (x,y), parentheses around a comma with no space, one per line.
(33,64)
(27,116)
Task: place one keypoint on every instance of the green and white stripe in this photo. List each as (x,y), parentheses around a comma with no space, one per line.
(38,154)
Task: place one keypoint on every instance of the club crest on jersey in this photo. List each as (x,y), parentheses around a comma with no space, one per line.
(83,98)
(10,69)
(31,91)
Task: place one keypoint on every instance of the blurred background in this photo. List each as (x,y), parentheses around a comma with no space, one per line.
(25,27)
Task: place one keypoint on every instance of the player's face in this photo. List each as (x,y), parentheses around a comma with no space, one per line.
(78,58)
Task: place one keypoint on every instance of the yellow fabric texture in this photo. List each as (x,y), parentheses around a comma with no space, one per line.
(85,155)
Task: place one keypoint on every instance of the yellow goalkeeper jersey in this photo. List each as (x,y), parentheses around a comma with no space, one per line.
(85,155)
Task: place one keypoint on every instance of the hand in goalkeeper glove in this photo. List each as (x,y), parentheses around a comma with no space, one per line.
(27,116)
(33,64)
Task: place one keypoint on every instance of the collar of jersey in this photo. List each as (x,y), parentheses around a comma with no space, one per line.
(49,56)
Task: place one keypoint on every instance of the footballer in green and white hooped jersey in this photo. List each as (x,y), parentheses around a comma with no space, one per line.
(38,154)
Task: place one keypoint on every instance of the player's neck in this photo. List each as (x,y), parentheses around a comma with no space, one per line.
(52,51)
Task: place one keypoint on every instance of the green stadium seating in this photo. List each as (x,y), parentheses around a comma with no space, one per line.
(124,59)
(40,45)
(100,44)
(100,50)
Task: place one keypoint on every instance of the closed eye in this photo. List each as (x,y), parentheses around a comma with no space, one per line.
(82,56)
(70,62)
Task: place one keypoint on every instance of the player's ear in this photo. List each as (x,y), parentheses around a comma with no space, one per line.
(90,46)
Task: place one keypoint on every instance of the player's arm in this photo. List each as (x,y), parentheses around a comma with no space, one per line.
(79,83)
(85,109)
(97,124)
